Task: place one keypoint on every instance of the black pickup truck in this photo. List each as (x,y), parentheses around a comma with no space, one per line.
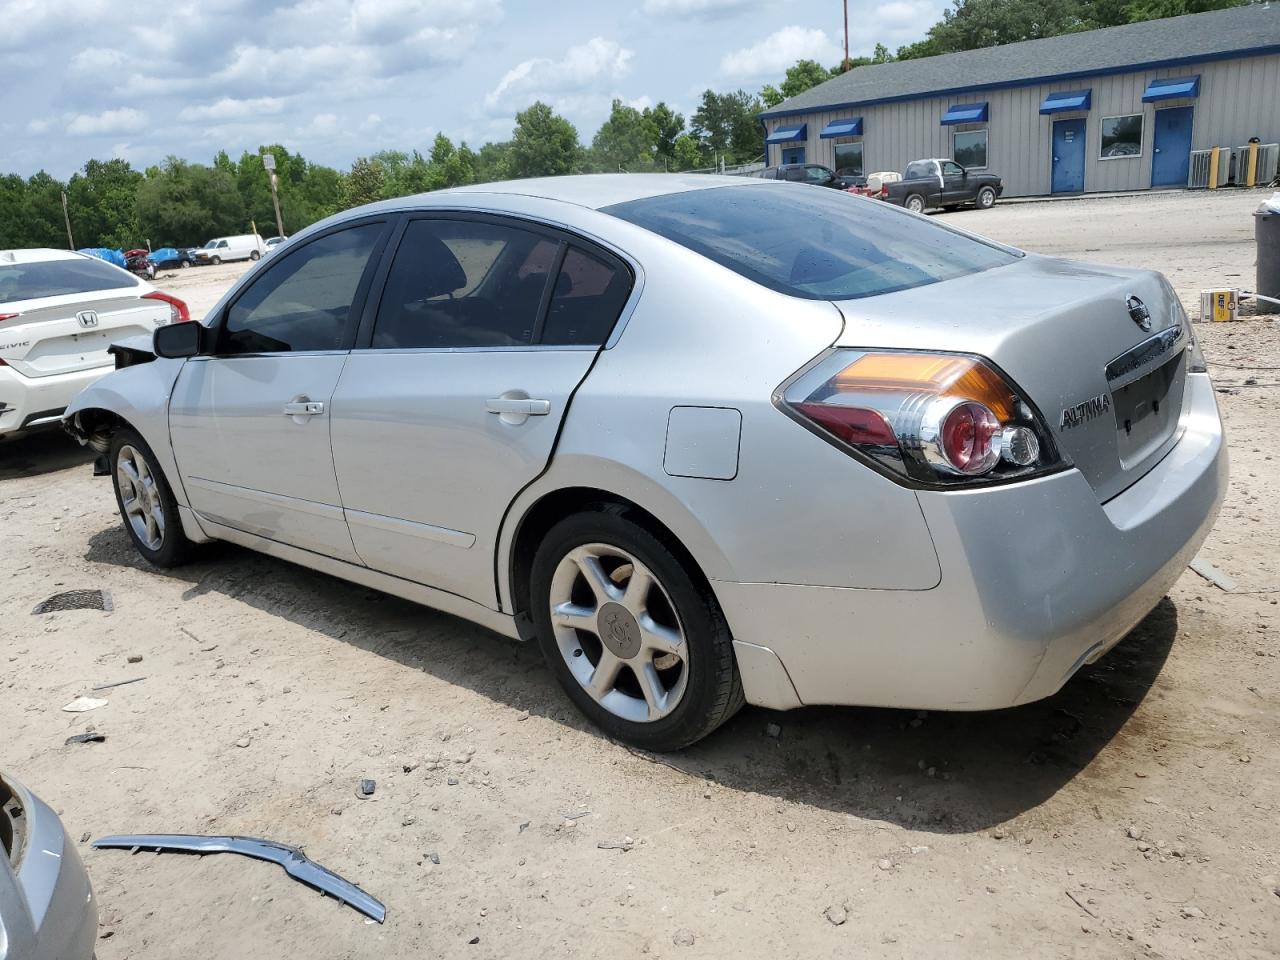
(943,183)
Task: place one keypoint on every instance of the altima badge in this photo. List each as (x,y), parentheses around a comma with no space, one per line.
(1139,313)
(1084,412)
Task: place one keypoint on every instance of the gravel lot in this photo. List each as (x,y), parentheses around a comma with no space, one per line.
(1132,815)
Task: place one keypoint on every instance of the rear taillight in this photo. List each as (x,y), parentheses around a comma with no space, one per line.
(6,316)
(178,312)
(937,419)
(884,190)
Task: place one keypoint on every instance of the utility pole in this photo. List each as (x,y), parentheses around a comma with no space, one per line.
(71,244)
(845,65)
(269,161)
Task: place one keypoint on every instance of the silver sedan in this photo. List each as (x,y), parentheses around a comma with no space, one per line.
(705,440)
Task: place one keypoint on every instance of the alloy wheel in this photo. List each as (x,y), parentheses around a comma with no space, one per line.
(140,497)
(618,632)
(915,204)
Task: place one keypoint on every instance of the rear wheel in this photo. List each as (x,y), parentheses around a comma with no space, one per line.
(915,203)
(254,255)
(986,198)
(182,264)
(215,260)
(146,502)
(635,639)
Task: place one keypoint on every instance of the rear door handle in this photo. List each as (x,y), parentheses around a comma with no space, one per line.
(303,408)
(518,407)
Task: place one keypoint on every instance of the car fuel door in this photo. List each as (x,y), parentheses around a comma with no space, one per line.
(453,399)
(250,421)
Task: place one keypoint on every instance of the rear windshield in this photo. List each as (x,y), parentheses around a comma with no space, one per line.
(813,243)
(57,278)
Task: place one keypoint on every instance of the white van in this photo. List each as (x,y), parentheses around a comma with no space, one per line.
(247,246)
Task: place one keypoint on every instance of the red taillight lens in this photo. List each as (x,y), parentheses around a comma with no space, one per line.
(938,419)
(6,316)
(178,312)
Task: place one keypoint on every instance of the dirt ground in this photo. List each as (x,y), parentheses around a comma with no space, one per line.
(1135,814)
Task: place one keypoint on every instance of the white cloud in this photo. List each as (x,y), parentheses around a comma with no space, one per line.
(772,55)
(640,103)
(97,60)
(230,109)
(39,125)
(695,8)
(583,67)
(123,120)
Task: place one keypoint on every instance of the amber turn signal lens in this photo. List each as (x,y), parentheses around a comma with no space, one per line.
(961,378)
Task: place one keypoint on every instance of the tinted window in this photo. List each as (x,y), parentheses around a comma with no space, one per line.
(57,278)
(1122,136)
(970,148)
(460,283)
(304,300)
(589,295)
(917,171)
(952,170)
(817,244)
(849,158)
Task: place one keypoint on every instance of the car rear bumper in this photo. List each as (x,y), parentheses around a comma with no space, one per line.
(47,908)
(1038,579)
(30,402)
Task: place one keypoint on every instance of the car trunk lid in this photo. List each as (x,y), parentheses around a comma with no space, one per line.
(71,336)
(1110,391)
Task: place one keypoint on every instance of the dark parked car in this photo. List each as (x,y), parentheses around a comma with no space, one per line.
(168,257)
(943,183)
(813,173)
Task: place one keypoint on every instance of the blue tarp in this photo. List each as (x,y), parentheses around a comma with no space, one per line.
(165,255)
(851,127)
(1065,101)
(787,134)
(103,253)
(966,113)
(1179,88)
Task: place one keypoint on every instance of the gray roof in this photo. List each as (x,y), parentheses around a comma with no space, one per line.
(1201,36)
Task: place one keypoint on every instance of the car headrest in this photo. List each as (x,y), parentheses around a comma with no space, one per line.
(438,270)
(564,285)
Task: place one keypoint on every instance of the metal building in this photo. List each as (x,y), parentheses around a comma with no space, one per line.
(1116,109)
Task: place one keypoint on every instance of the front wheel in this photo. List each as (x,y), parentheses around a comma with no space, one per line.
(986,198)
(216,261)
(915,203)
(632,635)
(146,502)
(254,256)
(182,264)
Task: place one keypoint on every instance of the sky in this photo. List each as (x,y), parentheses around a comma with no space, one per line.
(338,79)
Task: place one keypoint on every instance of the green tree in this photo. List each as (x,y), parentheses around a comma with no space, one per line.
(668,125)
(451,166)
(365,183)
(543,144)
(101,198)
(493,162)
(686,153)
(42,223)
(182,204)
(626,141)
(800,76)
(725,124)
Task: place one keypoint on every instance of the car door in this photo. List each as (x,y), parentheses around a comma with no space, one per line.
(955,185)
(453,398)
(250,422)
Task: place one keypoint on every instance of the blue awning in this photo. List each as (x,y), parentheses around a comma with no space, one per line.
(966,113)
(842,128)
(787,134)
(1066,100)
(1175,89)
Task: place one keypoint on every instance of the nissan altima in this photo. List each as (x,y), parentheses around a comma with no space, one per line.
(705,440)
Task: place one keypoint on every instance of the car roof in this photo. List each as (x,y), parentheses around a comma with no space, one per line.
(37,255)
(586,190)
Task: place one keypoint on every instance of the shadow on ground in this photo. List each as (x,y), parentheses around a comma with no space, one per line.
(40,452)
(944,772)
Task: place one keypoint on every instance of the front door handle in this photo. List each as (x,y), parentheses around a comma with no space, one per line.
(521,407)
(303,408)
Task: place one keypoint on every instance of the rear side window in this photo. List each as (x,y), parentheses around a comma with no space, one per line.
(918,171)
(589,295)
(59,278)
(303,301)
(815,244)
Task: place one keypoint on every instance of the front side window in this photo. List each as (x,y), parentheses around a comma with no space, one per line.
(849,159)
(464,283)
(818,244)
(1121,137)
(304,300)
(817,174)
(970,148)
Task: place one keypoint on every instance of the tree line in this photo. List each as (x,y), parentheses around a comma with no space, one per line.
(180,203)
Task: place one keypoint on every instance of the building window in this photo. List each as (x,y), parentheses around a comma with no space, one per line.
(1121,137)
(969,148)
(849,158)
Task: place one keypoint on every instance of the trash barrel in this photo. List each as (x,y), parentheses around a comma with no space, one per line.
(1266,228)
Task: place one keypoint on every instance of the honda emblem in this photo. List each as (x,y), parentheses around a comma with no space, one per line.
(87,318)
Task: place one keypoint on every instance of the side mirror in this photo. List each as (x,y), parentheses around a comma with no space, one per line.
(176,341)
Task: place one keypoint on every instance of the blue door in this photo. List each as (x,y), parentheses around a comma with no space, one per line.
(1172,151)
(793,154)
(1068,155)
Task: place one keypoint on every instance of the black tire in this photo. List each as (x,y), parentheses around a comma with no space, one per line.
(915,203)
(216,261)
(182,264)
(713,691)
(174,548)
(986,198)
(254,256)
